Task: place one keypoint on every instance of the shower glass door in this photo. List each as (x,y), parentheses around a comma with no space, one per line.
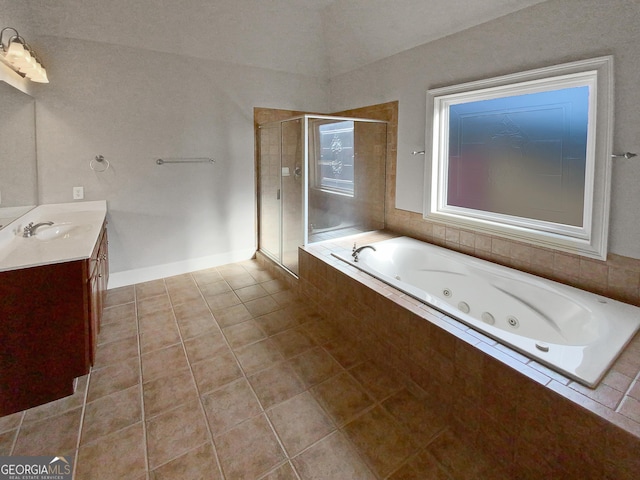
(269,217)
(292,181)
(321,177)
(282,191)
(346,179)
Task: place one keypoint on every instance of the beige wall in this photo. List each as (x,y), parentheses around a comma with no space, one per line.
(134,106)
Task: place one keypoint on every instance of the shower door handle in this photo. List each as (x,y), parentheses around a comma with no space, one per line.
(278,195)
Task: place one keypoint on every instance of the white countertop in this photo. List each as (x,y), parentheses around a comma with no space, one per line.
(82,222)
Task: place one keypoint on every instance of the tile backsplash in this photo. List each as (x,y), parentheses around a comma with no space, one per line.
(618,277)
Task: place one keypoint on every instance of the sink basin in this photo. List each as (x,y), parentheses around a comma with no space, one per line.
(60,231)
(72,236)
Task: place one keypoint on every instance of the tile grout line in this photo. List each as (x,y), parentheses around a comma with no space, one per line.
(80,427)
(18,428)
(82,418)
(337,427)
(143,416)
(340,427)
(307,389)
(193,377)
(377,403)
(627,393)
(246,378)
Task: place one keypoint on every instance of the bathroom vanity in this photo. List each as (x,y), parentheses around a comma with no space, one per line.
(52,287)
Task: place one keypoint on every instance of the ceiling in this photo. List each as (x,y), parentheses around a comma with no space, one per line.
(321,38)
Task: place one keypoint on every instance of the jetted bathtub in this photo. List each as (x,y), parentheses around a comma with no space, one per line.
(577,333)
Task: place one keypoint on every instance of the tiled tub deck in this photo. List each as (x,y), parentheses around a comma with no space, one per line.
(535,422)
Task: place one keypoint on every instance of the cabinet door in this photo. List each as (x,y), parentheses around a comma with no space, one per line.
(43,333)
(103,266)
(95,310)
(97,287)
(49,323)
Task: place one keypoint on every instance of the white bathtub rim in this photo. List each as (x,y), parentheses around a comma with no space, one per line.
(569,360)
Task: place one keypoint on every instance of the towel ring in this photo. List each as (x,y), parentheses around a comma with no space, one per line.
(99,164)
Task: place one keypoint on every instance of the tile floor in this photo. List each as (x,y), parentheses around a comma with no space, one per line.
(224,373)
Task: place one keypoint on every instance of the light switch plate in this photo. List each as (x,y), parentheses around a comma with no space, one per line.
(78,193)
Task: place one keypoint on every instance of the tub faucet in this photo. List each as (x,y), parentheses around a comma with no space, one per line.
(356,251)
(30,229)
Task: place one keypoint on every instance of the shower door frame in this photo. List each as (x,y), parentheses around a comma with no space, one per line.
(305,178)
(275,256)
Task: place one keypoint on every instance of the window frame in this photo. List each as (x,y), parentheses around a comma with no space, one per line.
(590,239)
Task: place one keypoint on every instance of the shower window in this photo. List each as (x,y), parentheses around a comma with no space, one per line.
(334,158)
(526,156)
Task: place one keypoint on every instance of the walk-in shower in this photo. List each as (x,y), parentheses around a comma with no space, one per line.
(320,177)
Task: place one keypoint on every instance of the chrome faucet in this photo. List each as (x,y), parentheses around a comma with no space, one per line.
(30,230)
(356,251)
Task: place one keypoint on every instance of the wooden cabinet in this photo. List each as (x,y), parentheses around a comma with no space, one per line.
(49,322)
(97,289)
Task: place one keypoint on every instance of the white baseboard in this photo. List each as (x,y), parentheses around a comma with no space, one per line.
(139,275)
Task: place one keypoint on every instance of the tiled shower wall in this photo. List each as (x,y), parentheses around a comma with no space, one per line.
(370,150)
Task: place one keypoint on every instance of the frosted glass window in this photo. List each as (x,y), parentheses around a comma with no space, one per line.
(522,155)
(526,156)
(334,167)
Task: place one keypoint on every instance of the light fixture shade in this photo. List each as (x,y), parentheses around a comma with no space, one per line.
(26,64)
(16,51)
(19,56)
(41,76)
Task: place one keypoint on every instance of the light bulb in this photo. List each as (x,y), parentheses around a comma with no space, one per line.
(15,52)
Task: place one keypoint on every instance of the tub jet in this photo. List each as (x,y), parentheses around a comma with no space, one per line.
(488,318)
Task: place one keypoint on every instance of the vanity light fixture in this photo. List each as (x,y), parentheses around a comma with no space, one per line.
(20,57)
